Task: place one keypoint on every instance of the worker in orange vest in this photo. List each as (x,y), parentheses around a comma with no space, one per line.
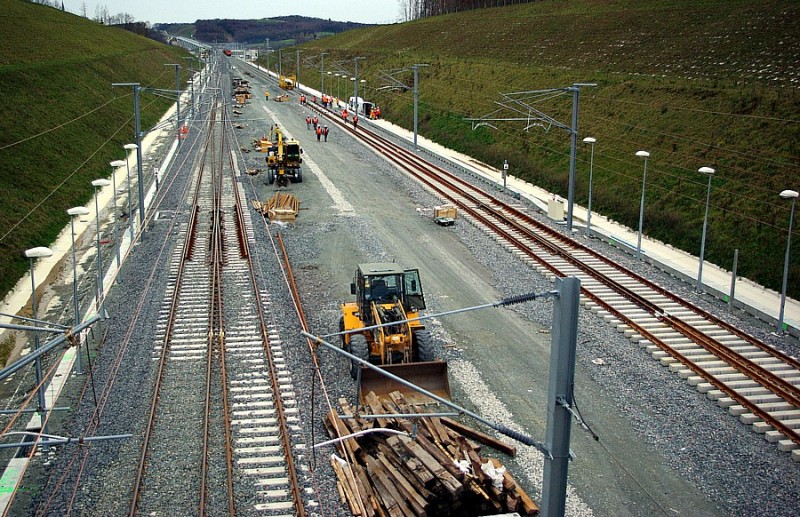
(315,121)
(344,114)
(319,132)
(355,121)
(308,122)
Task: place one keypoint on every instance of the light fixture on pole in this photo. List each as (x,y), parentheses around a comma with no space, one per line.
(786,194)
(330,82)
(591,141)
(72,212)
(645,155)
(708,171)
(100,298)
(114,166)
(33,253)
(129,147)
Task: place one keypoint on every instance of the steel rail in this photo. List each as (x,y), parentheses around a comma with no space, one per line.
(294,482)
(148,432)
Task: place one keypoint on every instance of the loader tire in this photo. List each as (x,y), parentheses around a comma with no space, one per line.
(423,346)
(270,177)
(360,349)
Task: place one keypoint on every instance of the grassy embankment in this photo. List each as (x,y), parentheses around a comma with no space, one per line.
(695,83)
(61,122)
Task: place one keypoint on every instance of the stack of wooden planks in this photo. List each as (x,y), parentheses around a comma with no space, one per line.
(280,207)
(433,469)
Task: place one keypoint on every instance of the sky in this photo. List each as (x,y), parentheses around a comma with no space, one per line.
(187,11)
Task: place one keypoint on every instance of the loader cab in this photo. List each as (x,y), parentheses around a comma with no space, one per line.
(293,152)
(385,283)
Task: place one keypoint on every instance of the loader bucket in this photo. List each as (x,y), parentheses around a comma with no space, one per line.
(430,375)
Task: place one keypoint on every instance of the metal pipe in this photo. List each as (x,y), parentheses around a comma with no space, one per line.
(26,360)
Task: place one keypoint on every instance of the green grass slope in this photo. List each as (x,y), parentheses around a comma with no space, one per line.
(694,82)
(61,122)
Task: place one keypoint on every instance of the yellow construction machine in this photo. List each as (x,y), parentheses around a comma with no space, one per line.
(286,82)
(381,327)
(283,160)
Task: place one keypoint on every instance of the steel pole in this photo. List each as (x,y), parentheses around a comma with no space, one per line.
(76,304)
(560,395)
(699,287)
(128,180)
(641,213)
(785,267)
(100,298)
(116,233)
(297,70)
(322,74)
(416,99)
(139,167)
(573,146)
(589,204)
(40,385)
(355,90)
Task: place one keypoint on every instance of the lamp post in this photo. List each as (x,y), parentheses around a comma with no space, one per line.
(645,155)
(33,253)
(786,194)
(100,301)
(72,212)
(708,171)
(330,82)
(337,75)
(114,166)
(129,147)
(591,141)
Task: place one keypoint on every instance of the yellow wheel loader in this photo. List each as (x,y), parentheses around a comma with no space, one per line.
(283,160)
(381,327)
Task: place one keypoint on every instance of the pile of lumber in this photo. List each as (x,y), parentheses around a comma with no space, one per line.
(280,207)
(433,469)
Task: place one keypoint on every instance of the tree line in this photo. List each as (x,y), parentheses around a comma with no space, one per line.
(101,13)
(416,9)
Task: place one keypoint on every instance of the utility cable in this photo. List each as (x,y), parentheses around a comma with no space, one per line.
(60,126)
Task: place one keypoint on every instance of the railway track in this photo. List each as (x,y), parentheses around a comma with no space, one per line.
(752,380)
(222,391)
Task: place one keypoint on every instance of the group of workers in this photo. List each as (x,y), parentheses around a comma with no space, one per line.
(322,131)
